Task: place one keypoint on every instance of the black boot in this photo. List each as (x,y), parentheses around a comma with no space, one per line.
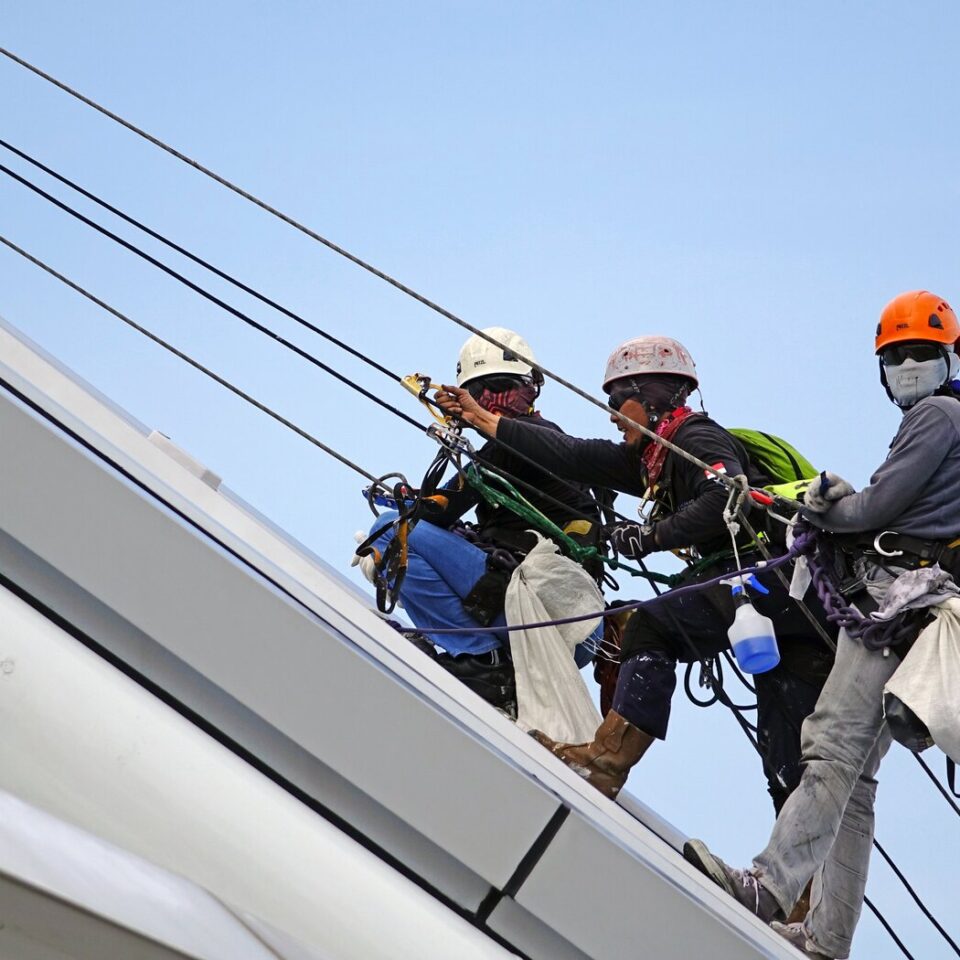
(489,675)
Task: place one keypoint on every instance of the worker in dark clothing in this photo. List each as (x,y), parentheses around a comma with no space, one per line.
(648,380)
(457,573)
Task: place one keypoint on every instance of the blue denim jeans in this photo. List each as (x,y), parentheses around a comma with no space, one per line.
(441,570)
(825,829)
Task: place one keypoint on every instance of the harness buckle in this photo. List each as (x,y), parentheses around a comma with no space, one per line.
(879,548)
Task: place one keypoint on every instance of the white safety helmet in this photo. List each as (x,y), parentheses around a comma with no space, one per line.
(653,354)
(480,358)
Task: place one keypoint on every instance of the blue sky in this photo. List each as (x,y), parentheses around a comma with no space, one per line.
(755,179)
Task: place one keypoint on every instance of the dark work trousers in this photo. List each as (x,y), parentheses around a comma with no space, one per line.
(693,626)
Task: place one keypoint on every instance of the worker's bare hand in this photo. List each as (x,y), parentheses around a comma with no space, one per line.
(456,402)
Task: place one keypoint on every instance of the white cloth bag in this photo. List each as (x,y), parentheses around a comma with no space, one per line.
(928,680)
(551,694)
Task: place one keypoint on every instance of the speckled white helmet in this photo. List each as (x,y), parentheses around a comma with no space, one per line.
(653,354)
(480,358)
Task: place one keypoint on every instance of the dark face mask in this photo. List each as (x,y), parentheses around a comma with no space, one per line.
(509,396)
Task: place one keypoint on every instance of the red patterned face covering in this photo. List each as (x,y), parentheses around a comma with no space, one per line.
(511,402)
(655,454)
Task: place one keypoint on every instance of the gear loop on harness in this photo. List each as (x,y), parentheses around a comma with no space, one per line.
(873,634)
(391,563)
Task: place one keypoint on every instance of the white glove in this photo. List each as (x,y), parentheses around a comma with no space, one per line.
(825,491)
(367,564)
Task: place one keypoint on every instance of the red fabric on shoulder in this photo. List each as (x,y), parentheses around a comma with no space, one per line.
(655,454)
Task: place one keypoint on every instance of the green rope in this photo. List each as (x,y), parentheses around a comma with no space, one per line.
(514,501)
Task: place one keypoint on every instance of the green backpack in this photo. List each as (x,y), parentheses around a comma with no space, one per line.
(790,471)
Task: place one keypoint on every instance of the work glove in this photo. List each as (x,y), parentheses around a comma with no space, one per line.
(367,564)
(633,540)
(825,491)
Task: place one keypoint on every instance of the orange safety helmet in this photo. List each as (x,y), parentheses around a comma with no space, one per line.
(917,315)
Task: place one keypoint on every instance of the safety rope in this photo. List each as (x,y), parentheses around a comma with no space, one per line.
(512,500)
(392,375)
(873,634)
(189,360)
(341,251)
(196,288)
(762,566)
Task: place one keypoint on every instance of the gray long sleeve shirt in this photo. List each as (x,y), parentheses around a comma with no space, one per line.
(916,490)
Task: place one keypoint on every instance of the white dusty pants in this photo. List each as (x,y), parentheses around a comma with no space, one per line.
(825,829)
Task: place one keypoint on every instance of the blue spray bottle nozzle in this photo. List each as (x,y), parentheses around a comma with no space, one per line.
(738,584)
(757,585)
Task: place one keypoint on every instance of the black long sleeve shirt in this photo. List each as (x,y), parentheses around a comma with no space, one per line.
(693,498)
(500,525)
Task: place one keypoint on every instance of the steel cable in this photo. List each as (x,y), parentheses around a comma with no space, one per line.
(886,926)
(336,248)
(580,492)
(189,360)
(916,898)
(937,783)
(196,288)
(357,261)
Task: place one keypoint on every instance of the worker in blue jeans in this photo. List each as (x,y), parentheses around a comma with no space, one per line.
(457,574)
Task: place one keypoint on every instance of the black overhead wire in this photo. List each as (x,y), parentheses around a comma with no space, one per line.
(223,275)
(916,898)
(335,248)
(937,783)
(875,910)
(307,231)
(189,360)
(582,492)
(196,288)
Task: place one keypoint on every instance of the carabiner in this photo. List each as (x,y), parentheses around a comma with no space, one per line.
(879,548)
(418,384)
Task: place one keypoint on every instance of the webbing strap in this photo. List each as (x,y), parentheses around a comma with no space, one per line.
(513,500)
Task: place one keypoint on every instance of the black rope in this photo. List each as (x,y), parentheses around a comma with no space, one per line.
(916,899)
(183,251)
(581,492)
(886,926)
(938,784)
(189,360)
(206,171)
(196,288)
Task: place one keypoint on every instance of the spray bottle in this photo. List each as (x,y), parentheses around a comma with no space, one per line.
(751,634)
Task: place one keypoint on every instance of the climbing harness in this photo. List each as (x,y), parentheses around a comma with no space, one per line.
(390,564)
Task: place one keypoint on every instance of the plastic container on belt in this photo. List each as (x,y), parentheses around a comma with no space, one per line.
(752,636)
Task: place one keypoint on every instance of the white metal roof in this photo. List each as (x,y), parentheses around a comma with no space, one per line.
(217,618)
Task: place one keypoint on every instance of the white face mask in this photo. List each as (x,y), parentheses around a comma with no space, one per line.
(912,380)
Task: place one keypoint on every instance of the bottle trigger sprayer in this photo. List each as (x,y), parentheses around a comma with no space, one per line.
(751,633)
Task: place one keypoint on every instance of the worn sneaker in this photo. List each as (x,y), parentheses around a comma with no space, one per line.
(794,934)
(742,885)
